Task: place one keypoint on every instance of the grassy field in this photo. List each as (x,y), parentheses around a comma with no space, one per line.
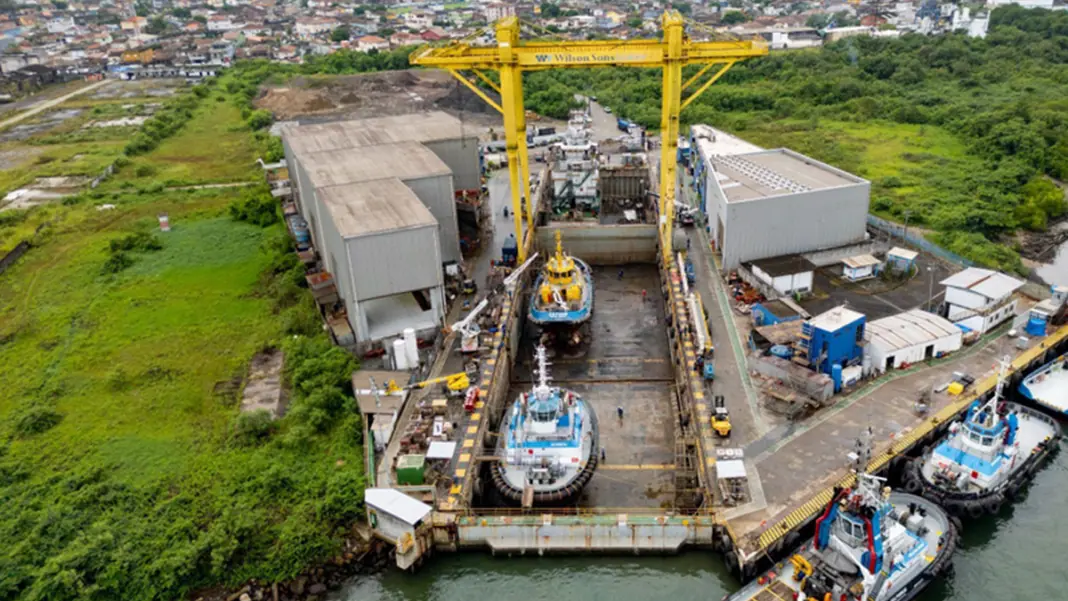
(126,468)
(214,147)
(902,161)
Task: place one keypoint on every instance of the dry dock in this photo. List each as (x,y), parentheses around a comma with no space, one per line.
(657,490)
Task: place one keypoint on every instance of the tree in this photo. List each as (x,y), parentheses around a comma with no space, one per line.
(59,4)
(200,19)
(359,11)
(182,13)
(340,34)
(549,10)
(156,25)
(634,22)
(733,17)
(818,20)
(682,7)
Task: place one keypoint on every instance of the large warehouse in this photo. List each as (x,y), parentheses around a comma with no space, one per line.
(381,244)
(771,203)
(379,197)
(438,132)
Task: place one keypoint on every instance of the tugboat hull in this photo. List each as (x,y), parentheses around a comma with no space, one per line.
(576,317)
(508,481)
(976,504)
(941,539)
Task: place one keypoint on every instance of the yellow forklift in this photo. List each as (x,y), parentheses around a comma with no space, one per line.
(721,419)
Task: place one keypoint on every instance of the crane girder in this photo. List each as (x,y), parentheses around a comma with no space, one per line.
(511,57)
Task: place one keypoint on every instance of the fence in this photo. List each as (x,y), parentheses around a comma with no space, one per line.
(898,231)
(10,258)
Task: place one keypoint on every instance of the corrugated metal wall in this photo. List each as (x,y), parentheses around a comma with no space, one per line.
(796,223)
(602,244)
(437,194)
(395,262)
(461,155)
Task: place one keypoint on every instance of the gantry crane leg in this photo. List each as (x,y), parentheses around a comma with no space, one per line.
(669,128)
(524,155)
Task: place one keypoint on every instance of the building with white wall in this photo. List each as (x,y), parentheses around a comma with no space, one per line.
(787,275)
(910,337)
(980,299)
(778,202)
(399,519)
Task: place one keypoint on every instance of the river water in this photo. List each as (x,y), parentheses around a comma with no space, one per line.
(1019,555)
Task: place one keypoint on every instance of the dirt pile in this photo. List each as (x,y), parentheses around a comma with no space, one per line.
(372,95)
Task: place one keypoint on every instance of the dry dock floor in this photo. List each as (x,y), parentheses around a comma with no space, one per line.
(626,364)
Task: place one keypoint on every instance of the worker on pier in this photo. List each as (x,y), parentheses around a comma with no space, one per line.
(621,274)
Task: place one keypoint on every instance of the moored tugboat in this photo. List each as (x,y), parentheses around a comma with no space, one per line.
(871,544)
(985,458)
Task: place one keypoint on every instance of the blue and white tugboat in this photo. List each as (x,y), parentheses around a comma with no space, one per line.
(1048,387)
(986,457)
(563,296)
(548,444)
(871,544)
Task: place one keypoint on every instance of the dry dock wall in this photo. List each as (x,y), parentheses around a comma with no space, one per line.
(570,534)
(602,244)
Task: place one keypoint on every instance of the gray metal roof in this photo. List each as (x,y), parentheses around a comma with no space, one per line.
(402,160)
(376,206)
(396,504)
(417,127)
(909,329)
(775,173)
(993,285)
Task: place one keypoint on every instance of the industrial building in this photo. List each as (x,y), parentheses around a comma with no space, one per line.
(770,203)
(833,338)
(381,244)
(910,337)
(980,299)
(705,143)
(439,133)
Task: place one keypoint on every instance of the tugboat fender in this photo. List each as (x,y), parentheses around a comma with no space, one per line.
(974,509)
(913,486)
(993,504)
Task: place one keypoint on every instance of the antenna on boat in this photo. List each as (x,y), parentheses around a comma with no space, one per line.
(541,388)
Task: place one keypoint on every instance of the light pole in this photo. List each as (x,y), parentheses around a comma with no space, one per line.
(930,290)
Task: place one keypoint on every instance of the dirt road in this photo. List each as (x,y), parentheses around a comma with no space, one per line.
(44,106)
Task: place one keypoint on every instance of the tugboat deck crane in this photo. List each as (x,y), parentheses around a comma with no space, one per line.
(511,57)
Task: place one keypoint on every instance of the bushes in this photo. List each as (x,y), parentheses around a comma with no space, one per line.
(167,121)
(122,249)
(256,206)
(253,427)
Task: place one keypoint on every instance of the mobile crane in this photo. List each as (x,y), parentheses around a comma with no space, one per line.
(512,57)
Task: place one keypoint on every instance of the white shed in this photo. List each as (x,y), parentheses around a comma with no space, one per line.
(910,337)
(397,518)
(860,267)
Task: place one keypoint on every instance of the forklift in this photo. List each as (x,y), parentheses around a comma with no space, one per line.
(721,419)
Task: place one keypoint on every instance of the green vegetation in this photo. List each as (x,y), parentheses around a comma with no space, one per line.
(960,133)
(127,470)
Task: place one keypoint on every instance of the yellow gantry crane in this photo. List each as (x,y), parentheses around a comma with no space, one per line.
(511,57)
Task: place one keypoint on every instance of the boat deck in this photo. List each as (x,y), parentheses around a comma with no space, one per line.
(1050,389)
(625,364)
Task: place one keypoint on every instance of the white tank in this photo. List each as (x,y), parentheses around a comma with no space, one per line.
(411,348)
(400,357)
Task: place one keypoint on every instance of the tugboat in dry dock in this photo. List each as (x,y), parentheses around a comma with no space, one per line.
(871,544)
(548,444)
(985,458)
(563,296)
